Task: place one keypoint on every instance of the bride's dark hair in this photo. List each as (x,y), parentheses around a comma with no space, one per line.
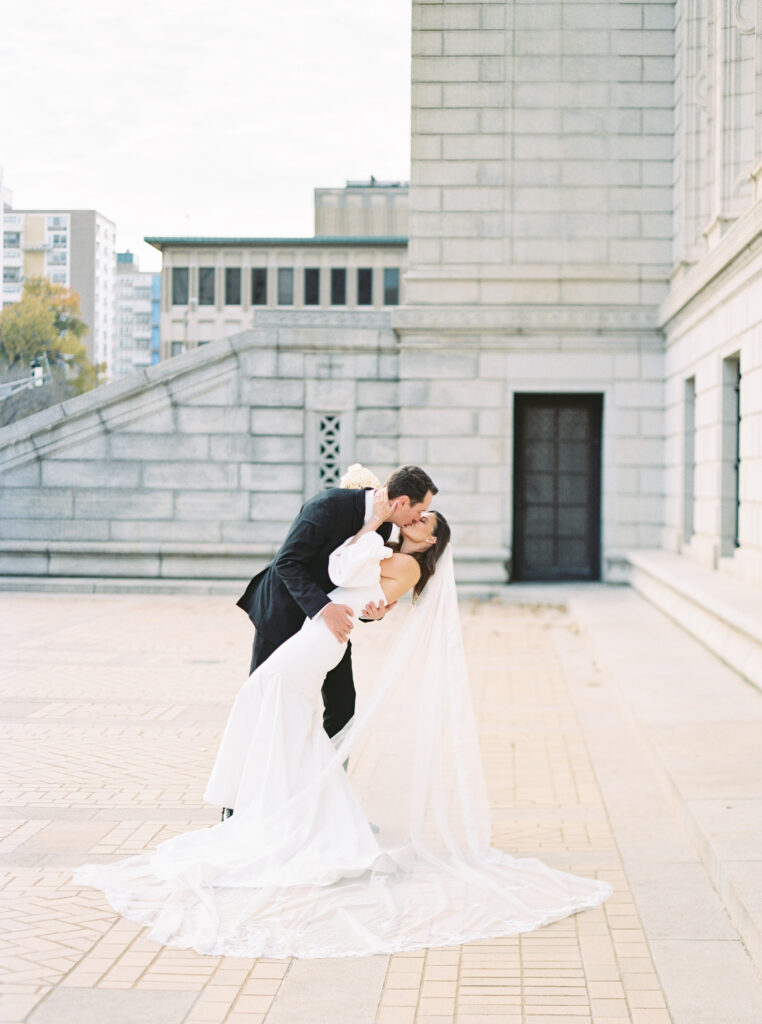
(428,559)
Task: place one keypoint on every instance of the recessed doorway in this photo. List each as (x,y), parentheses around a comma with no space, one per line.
(557,487)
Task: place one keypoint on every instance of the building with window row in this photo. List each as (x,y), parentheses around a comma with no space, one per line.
(74,248)
(211,288)
(136,316)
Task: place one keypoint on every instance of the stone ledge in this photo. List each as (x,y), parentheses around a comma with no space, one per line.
(699,725)
(118,585)
(725,614)
(134,548)
(140,562)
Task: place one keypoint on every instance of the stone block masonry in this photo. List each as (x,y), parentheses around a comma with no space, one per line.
(196,466)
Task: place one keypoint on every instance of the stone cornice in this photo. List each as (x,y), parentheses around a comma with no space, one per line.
(734,248)
(524,319)
(375,319)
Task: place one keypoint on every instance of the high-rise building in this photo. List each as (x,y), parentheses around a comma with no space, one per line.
(5,202)
(155,318)
(75,248)
(136,310)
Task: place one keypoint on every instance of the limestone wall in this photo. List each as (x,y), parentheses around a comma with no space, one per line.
(714,319)
(196,466)
(457,400)
(542,152)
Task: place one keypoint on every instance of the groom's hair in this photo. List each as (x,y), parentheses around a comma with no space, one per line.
(412,481)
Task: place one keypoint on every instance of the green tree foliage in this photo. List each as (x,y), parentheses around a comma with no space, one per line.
(44,324)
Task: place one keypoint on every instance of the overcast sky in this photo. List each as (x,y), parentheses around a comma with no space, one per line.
(214,117)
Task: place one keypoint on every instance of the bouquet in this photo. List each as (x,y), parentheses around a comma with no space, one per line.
(358,476)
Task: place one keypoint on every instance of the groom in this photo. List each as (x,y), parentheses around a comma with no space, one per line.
(296,583)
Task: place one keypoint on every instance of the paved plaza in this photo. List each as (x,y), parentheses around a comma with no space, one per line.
(615,747)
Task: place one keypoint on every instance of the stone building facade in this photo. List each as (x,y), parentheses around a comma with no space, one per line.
(577,357)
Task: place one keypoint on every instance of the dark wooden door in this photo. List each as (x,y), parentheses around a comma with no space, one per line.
(557,487)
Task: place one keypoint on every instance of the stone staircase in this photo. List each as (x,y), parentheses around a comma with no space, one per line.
(723,613)
(698,714)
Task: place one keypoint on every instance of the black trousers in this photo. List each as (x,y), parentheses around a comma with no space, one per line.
(338,688)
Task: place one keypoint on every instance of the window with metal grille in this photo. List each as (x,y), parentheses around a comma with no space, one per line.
(689,455)
(731,453)
(329,457)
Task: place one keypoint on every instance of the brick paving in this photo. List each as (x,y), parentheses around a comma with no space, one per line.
(113,706)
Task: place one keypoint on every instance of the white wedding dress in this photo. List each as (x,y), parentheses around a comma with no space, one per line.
(297,870)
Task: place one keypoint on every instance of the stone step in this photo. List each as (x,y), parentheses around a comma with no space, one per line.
(119,585)
(702,724)
(724,613)
(136,562)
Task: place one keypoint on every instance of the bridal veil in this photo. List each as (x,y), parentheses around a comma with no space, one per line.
(436,880)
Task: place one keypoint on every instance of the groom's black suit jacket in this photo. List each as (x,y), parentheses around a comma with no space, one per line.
(295,584)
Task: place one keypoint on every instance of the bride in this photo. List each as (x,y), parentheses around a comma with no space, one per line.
(298,870)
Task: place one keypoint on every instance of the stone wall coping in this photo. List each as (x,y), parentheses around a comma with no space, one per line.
(129,548)
(730,600)
(201,550)
(124,388)
(143,382)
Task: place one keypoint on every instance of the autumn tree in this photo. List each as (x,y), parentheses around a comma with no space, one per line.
(44,324)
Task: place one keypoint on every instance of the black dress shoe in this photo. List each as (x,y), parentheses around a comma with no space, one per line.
(227,812)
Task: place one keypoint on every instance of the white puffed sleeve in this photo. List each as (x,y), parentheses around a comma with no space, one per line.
(357,565)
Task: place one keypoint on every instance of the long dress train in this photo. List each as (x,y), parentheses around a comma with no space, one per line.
(297,870)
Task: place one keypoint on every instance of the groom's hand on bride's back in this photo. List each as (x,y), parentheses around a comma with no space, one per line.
(338,618)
